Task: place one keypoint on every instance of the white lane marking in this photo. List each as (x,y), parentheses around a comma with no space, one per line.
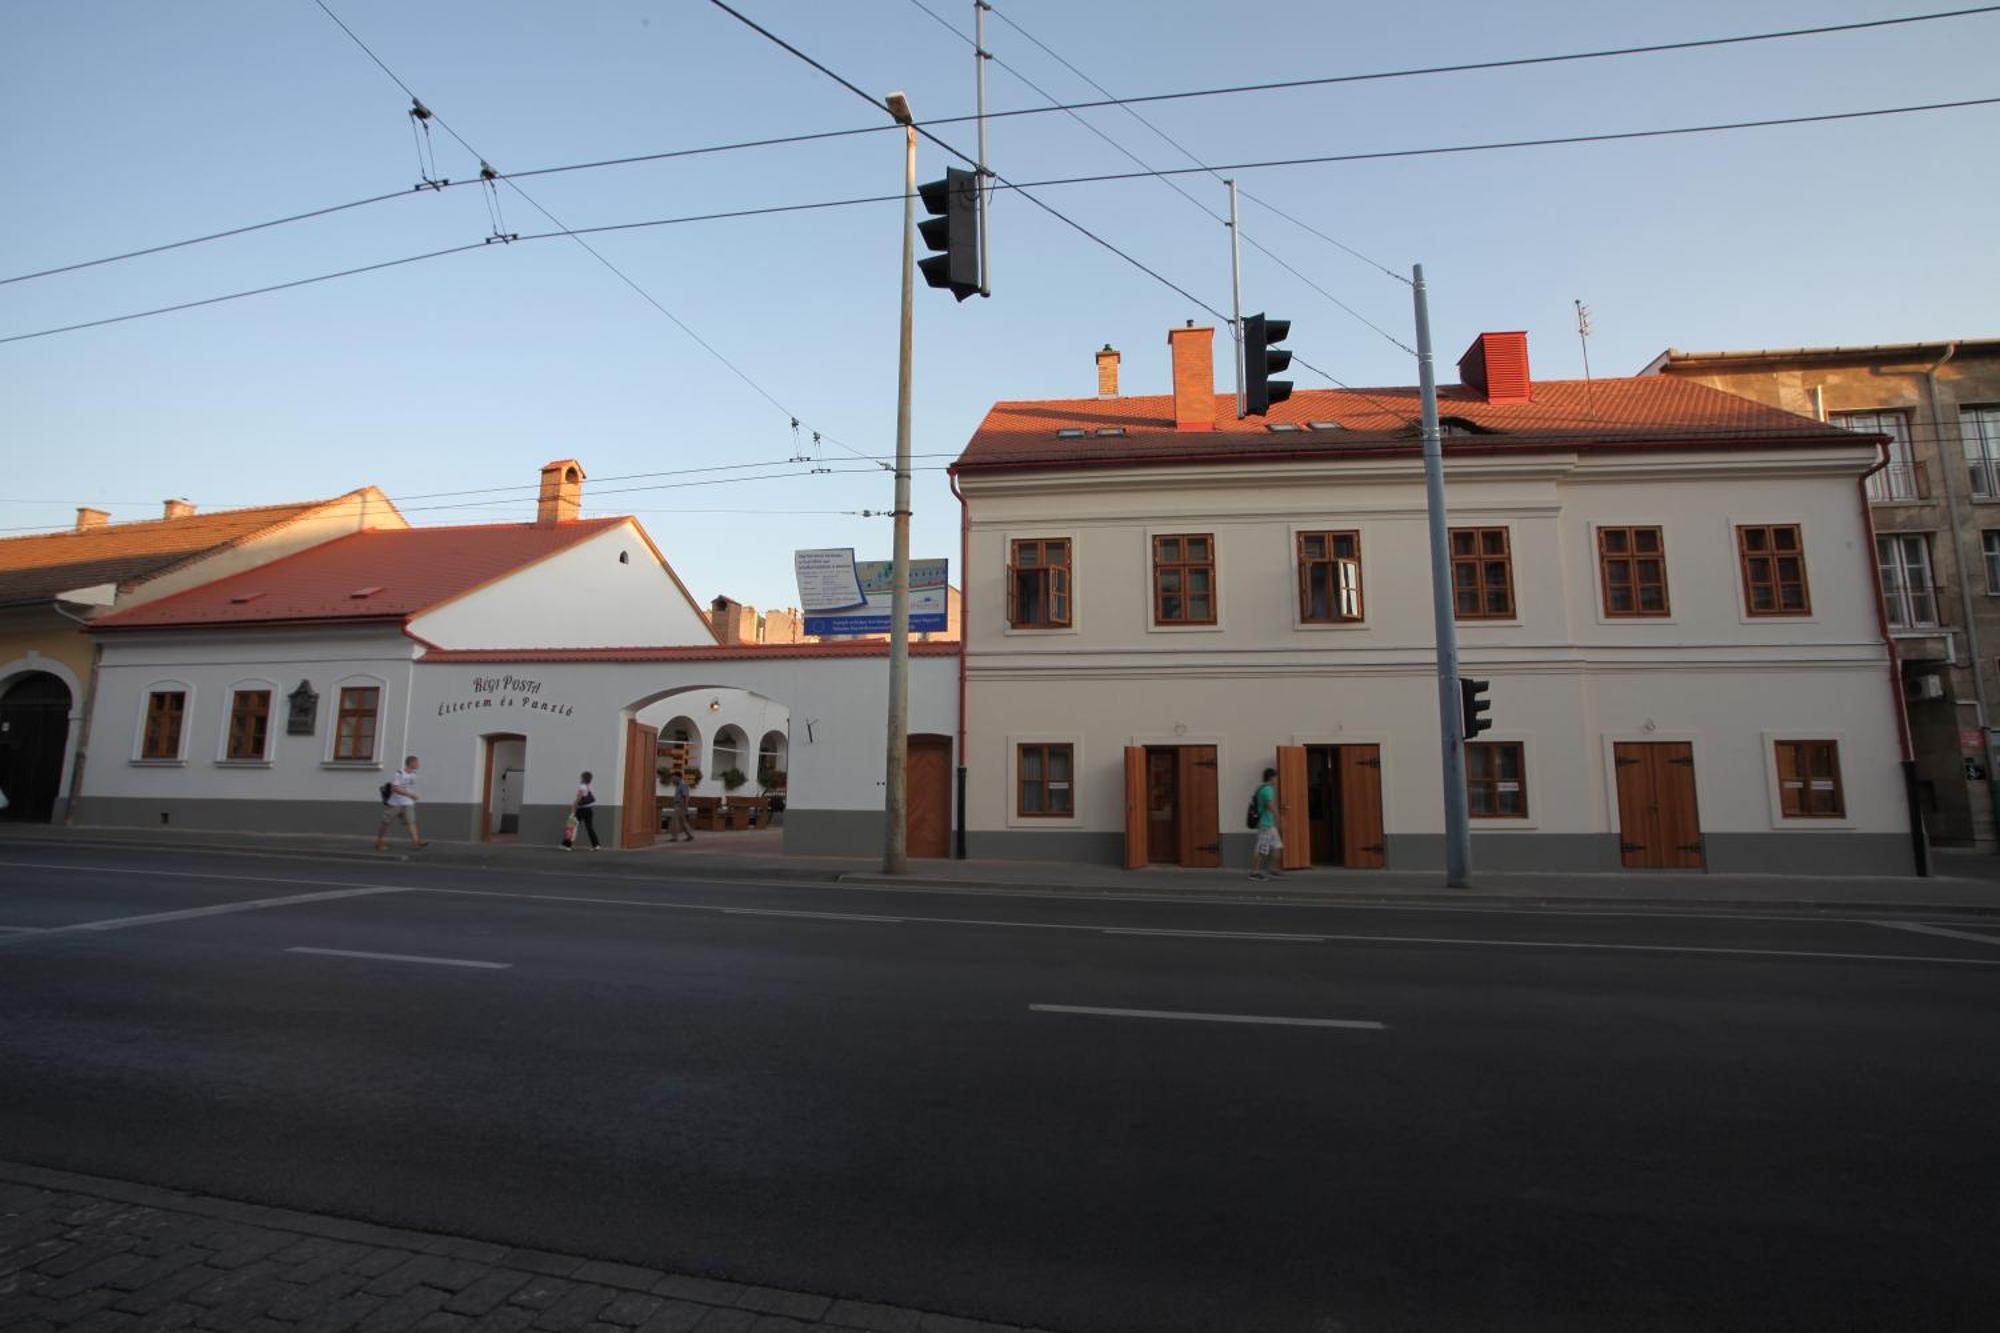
(832,916)
(1095,929)
(1922,929)
(1367,1024)
(197,874)
(193,913)
(398,957)
(1214,934)
(20,930)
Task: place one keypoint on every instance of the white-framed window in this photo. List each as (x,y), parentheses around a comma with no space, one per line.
(729,746)
(355,735)
(1979,432)
(1901,479)
(770,756)
(1905,561)
(163,723)
(249,728)
(1990,542)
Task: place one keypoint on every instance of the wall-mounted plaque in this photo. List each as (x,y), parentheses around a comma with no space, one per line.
(305,710)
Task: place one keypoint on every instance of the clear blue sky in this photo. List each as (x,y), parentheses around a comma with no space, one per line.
(131,123)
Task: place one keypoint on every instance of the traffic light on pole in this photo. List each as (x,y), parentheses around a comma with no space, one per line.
(1473,705)
(953,230)
(1261,361)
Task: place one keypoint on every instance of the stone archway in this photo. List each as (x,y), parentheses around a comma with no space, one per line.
(34,741)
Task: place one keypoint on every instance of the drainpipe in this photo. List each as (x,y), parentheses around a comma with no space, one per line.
(964,635)
(1972,650)
(85,710)
(1920,850)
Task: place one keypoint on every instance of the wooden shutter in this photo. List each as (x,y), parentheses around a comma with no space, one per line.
(1293,825)
(1135,806)
(1680,826)
(1361,807)
(1201,828)
(640,811)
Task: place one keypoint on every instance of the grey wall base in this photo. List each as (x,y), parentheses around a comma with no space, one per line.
(449,822)
(832,832)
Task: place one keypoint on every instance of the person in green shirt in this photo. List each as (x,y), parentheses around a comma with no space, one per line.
(1269,844)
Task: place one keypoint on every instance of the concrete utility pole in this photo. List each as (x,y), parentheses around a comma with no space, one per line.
(980,55)
(1236,295)
(1451,726)
(895,798)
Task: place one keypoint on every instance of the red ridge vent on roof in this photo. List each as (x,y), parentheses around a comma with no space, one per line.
(1497,365)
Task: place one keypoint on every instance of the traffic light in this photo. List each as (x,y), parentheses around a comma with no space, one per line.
(954,231)
(1261,361)
(1473,706)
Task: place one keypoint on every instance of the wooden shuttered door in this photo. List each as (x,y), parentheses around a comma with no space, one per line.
(1135,806)
(1201,829)
(639,815)
(1362,847)
(928,782)
(1294,826)
(1658,827)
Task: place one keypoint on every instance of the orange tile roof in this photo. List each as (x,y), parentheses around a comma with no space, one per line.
(766,652)
(37,567)
(1563,414)
(409,571)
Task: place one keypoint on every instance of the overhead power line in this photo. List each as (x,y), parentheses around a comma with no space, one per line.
(640,158)
(1023,187)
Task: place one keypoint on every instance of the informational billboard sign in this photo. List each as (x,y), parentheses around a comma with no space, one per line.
(928,612)
(828,580)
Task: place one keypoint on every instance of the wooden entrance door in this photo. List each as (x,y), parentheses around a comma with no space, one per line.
(928,785)
(1200,823)
(1135,806)
(1163,805)
(640,813)
(1658,828)
(1294,808)
(1361,844)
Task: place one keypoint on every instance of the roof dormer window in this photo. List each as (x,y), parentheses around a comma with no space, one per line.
(1069,433)
(362,594)
(1109,432)
(1325,425)
(1283,427)
(244,598)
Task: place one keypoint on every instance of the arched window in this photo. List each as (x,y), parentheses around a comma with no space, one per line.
(730,744)
(771,759)
(682,734)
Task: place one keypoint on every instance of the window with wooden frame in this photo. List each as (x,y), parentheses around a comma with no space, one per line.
(1809,780)
(1038,584)
(1329,577)
(1632,570)
(1482,574)
(161,739)
(1494,785)
(354,724)
(1184,579)
(1044,785)
(249,725)
(1773,557)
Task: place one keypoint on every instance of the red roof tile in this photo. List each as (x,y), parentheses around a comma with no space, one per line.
(759,652)
(1563,414)
(411,571)
(36,568)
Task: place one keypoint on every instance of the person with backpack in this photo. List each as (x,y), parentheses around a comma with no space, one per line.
(1263,814)
(581,812)
(399,801)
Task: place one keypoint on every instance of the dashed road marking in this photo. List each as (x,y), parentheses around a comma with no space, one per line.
(194,913)
(1365,1024)
(1922,929)
(398,957)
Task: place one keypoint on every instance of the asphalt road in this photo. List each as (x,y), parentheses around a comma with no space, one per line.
(1044,1111)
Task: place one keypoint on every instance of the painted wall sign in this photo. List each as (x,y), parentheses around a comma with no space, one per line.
(928,612)
(828,580)
(506,691)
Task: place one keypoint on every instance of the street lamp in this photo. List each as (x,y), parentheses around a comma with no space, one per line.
(895,802)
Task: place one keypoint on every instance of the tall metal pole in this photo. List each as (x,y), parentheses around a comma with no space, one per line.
(1451,726)
(979,59)
(1236,296)
(895,801)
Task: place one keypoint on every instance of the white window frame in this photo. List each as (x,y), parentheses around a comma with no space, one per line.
(1077,786)
(1902,599)
(1800,823)
(1893,422)
(1989,545)
(1979,441)
(273,726)
(332,706)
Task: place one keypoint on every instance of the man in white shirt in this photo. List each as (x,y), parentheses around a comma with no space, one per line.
(401,803)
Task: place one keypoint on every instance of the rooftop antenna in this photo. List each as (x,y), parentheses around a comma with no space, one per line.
(1583,341)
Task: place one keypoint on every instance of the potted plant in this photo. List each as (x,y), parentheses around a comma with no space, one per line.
(732,778)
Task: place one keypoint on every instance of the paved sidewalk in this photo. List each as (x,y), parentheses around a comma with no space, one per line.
(1965,882)
(85,1255)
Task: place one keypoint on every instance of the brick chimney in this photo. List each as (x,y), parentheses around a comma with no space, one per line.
(1194,377)
(177,509)
(1497,365)
(562,492)
(1107,372)
(87,518)
(732,621)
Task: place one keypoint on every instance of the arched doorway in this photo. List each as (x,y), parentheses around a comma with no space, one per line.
(34,735)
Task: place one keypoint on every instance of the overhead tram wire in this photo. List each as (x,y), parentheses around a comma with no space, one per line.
(1001,183)
(666,155)
(588,248)
(1168,181)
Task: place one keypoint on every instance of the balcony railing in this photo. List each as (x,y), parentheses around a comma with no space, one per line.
(1904,481)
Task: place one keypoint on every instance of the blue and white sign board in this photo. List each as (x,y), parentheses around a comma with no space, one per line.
(928,612)
(828,580)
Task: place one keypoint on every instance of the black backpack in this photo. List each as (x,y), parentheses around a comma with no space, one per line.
(1253,817)
(387,787)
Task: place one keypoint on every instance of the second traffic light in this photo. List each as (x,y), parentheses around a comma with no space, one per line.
(1473,705)
(1261,361)
(954,231)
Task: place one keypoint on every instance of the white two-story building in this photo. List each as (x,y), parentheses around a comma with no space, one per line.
(1670,588)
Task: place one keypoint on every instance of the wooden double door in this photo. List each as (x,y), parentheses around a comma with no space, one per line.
(1658,826)
(1171,815)
(1330,806)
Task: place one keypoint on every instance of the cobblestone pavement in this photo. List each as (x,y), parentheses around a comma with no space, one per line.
(95,1256)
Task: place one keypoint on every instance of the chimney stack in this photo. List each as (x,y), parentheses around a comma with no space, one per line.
(1194,377)
(1497,365)
(1107,372)
(562,492)
(87,518)
(177,509)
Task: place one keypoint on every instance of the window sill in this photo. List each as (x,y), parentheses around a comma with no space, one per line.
(1320,626)
(243,763)
(1486,622)
(358,764)
(1037,631)
(159,763)
(1184,629)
